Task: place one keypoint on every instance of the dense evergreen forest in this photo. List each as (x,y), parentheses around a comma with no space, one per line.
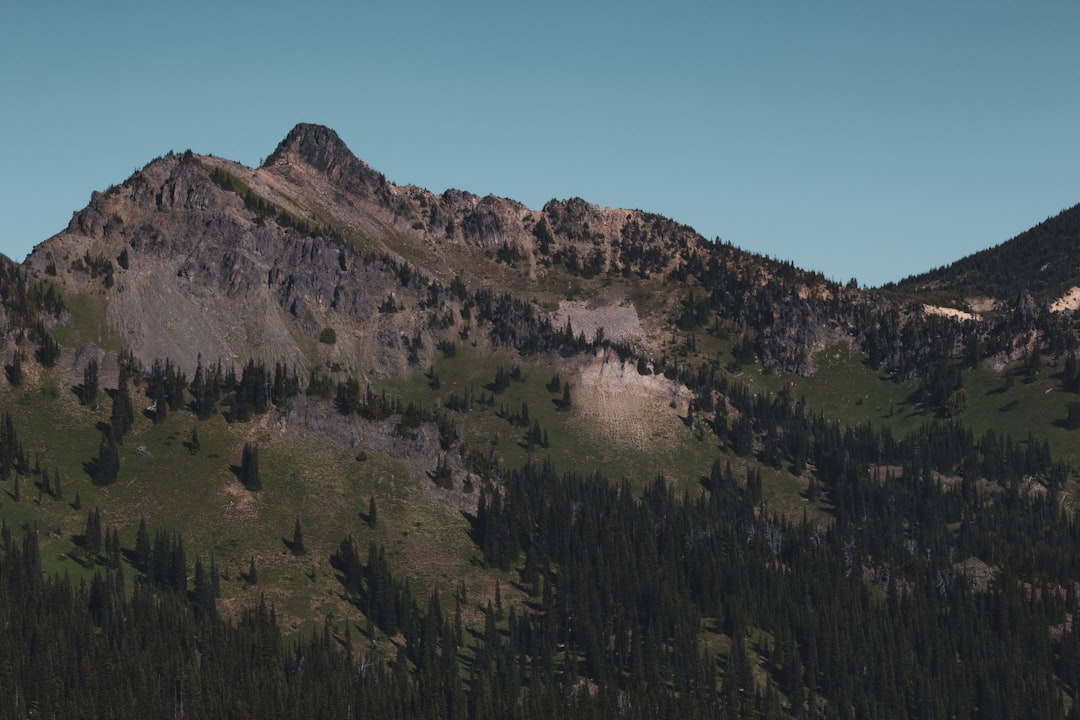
(655,605)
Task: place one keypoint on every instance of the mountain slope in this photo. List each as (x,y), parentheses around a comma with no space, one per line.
(316,261)
(1044,261)
(316,239)
(205,273)
(632,472)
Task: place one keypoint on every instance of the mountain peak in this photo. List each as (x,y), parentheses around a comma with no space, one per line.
(322,149)
(317,145)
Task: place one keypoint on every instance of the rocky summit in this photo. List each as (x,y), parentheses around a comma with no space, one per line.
(315,238)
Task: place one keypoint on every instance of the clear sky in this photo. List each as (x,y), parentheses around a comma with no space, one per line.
(862,139)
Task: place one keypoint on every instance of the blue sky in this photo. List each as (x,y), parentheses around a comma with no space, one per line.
(866,140)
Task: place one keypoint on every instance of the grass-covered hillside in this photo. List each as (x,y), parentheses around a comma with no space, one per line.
(294,441)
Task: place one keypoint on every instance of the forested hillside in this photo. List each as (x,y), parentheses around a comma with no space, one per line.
(295,441)
(706,605)
(1041,261)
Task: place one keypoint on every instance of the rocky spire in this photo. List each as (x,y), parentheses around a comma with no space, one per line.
(322,149)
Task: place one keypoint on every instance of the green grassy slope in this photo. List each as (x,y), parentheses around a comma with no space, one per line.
(198,496)
(427,539)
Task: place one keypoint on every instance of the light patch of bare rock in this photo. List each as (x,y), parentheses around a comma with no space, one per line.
(626,408)
(618,323)
(1070,301)
(949,312)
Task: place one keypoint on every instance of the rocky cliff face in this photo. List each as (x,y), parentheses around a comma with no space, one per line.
(194,270)
(200,255)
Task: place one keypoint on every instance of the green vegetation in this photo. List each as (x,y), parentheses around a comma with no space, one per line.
(249,468)
(265,209)
(529,528)
(88,324)
(162,481)
(494,424)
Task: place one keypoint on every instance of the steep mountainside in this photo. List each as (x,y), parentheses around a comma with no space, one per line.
(316,239)
(296,441)
(196,255)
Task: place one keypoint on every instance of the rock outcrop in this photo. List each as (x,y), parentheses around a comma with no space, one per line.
(198,255)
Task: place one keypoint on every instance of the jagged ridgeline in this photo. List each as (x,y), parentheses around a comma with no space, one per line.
(299,441)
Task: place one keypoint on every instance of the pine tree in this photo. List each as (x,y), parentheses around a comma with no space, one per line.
(48,349)
(161,402)
(113,548)
(1071,374)
(204,594)
(555,384)
(92,537)
(193,443)
(123,411)
(142,546)
(107,467)
(9,447)
(15,373)
(177,575)
(252,574)
(89,392)
(249,468)
(372,513)
(215,577)
(203,393)
(109,553)
(298,539)
(1072,419)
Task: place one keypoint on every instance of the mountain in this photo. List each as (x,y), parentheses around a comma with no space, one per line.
(316,239)
(1043,261)
(297,441)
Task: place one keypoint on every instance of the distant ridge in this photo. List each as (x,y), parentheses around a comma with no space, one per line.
(1044,260)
